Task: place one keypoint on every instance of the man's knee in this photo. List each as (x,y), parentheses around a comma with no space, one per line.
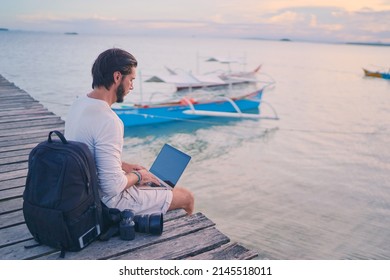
(183,195)
(183,198)
(188,195)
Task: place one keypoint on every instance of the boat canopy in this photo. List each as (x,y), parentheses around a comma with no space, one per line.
(224,60)
(181,78)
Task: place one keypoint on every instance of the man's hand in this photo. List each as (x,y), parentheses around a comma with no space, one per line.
(128,167)
(148,178)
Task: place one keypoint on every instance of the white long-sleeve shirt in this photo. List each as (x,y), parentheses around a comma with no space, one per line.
(93,122)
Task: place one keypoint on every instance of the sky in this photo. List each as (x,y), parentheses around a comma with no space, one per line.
(309,20)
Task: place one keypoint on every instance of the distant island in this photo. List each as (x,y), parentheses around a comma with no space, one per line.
(369,44)
(4,29)
(71,33)
(265,39)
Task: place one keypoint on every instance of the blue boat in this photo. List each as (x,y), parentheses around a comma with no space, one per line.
(190,108)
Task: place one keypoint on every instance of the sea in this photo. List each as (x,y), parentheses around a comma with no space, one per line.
(313,184)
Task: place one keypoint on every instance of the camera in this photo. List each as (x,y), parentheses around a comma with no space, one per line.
(152,223)
(127,225)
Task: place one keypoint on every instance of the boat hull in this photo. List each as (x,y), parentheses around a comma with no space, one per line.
(137,116)
(377,74)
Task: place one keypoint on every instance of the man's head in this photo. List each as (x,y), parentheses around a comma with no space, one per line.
(110,64)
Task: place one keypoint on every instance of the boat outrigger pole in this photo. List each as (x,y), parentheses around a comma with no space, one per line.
(237,114)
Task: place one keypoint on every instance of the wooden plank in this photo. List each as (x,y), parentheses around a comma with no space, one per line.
(11,205)
(18,142)
(14,95)
(31,123)
(20,103)
(10,90)
(13,175)
(12,183)
(21,152)
(38,129)
(17,148)
(231,251)
(47,127)
(13,235)
(179,248)
(21,106)
(12,160)
(11,219)
(37,110)
(20,252)
(11,194)
(27,117)
(26,135)
(13,92)
(13,167)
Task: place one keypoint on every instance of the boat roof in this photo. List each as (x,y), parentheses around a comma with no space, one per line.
(224,60)
(183,78)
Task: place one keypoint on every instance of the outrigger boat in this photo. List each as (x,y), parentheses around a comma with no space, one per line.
(192,108)
(377,74)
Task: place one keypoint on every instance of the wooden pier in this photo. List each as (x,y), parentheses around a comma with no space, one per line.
(24,122)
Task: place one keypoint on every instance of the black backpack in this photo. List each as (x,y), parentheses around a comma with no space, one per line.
(61,207)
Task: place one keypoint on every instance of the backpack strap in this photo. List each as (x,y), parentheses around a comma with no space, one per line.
(62,254)
(110,232)
(59,134)
(111,220)
(32,246)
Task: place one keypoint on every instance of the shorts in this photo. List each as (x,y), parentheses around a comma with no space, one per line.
(145,200)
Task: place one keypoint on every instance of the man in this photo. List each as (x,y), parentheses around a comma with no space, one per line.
(91,120)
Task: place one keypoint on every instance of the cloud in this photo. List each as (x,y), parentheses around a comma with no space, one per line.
(325,27)
(369,25)
(167,25)
(328,23)
(218,18)
(286,17)
(298,23)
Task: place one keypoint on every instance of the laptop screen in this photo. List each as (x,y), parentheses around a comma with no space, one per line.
(170,164)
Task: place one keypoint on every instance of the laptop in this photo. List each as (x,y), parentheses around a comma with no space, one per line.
(169,165)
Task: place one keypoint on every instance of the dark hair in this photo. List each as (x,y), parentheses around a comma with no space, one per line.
(107,63)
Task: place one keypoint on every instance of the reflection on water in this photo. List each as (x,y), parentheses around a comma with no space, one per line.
(203,138)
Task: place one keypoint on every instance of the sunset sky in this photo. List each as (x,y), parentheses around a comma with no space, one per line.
(315,20)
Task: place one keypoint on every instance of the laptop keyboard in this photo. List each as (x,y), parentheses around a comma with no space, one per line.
(154,185)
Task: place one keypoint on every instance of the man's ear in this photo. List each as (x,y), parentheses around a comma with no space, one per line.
(117,76)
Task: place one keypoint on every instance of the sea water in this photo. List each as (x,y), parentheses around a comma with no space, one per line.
(312,185)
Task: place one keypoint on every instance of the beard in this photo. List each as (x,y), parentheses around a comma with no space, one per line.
(120,93)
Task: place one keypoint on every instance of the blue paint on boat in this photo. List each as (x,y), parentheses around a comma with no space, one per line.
(167,112)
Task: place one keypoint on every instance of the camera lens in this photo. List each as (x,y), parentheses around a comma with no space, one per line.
(156,223)
(152,223)
(142,223)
